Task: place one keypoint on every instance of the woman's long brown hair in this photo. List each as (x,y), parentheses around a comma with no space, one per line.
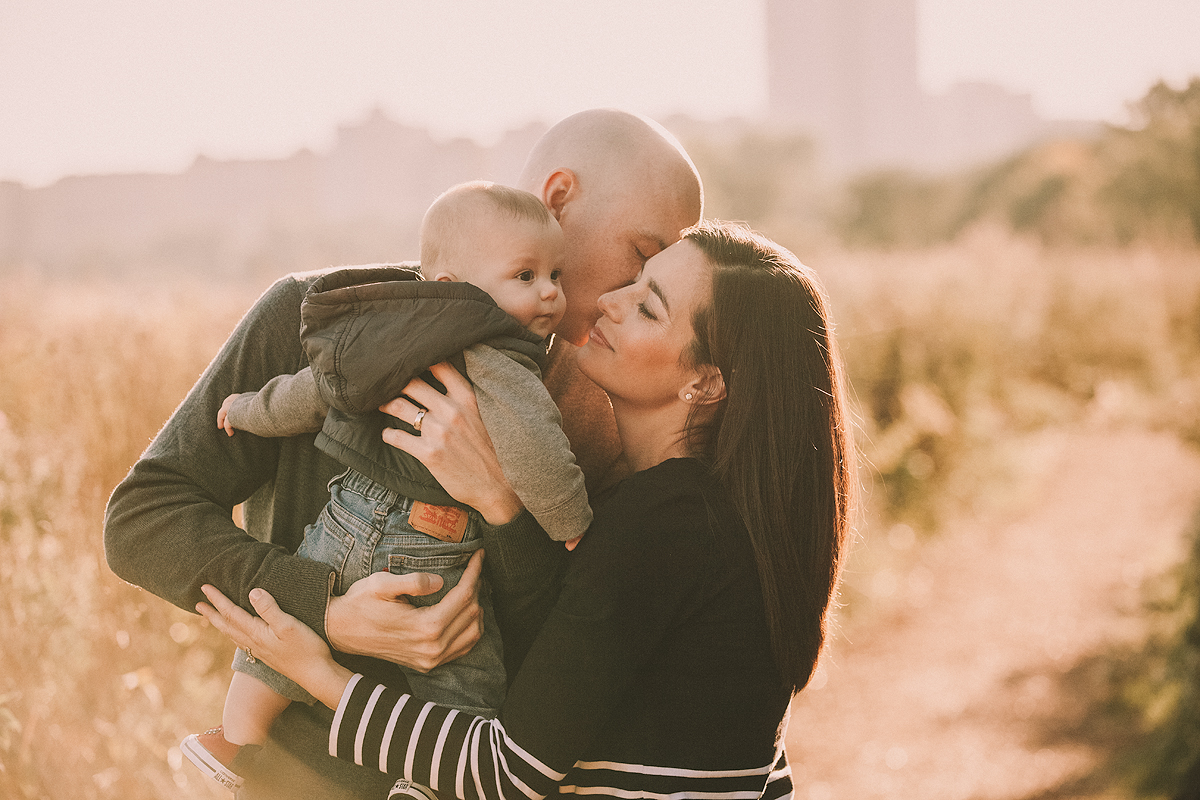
(779,441)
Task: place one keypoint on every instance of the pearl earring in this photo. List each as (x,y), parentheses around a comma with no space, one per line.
(687,396)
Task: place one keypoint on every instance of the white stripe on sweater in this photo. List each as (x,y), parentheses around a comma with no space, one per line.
(341,712)
(439,747)
(411,755)
(675,772)
(609,791)
(361,733)
(390,731)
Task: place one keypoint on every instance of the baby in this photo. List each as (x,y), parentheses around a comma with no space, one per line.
(491,257)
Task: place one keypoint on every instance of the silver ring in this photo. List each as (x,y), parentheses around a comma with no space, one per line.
(250,657)
(417,422)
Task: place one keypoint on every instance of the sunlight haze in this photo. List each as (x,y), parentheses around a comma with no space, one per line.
(91,87)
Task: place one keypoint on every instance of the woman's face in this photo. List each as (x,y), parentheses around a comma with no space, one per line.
(635,350)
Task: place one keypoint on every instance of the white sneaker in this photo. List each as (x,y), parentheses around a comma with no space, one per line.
(212,754)
(405,789)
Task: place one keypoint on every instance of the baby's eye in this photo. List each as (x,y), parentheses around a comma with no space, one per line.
(555,275)
(526,276)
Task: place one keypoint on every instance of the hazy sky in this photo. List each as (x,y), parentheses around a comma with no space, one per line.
(89,86)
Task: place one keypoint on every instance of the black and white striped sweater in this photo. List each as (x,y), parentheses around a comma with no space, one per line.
(652,676)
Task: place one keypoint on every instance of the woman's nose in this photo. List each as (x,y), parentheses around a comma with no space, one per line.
(609,302)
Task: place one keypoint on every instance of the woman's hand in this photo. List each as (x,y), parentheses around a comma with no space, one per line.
(374,619)
(280,640)
(454,444)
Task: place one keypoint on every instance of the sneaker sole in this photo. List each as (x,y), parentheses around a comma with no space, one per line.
(207,763)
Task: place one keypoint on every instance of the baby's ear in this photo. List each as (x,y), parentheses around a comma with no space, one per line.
(446,276)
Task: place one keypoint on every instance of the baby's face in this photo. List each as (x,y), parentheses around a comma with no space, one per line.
(518,264)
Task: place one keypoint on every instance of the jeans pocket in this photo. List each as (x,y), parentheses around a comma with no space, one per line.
(437,558)
(330,541)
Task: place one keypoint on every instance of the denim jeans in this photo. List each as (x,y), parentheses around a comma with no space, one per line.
(365,529)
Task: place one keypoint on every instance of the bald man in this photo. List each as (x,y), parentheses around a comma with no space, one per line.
(622,189)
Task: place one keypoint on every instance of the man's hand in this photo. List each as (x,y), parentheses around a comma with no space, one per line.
(374,619)
(454,444)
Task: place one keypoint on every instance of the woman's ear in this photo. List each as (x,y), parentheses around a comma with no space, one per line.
(706,386)
(446,276)
(560,188)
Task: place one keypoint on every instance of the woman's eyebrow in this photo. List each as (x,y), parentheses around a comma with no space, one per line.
(654,287)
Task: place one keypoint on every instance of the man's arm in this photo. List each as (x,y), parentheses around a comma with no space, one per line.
(169,526)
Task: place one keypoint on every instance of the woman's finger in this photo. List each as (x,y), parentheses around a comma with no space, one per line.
(236,622)
(223,605)
(457,386)
(267,608)
(401,408)
(222,625)
(421,392)
(403,440)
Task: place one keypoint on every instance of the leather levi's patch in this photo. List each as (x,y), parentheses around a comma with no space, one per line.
(441,522)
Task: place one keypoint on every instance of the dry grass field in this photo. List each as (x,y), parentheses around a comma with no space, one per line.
(98,680)
(967,361)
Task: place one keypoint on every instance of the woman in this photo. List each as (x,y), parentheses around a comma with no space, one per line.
(696,604)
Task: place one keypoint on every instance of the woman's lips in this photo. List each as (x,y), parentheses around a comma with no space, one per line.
(596,336)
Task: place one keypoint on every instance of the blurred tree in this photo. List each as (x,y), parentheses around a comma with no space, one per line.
(1140,182)
(895,208)
(767,178)
(1154,186)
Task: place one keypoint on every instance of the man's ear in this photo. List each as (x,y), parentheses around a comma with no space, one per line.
(446,276)
(707,386)
(560,188)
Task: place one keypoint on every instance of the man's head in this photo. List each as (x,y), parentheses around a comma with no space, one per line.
(502,240)
(622,189)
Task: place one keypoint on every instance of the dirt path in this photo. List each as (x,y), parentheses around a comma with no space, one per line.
(957,678)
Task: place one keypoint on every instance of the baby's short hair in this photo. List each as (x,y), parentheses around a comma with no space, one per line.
(449,216)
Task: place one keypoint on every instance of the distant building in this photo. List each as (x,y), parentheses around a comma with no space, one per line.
(846,71)
(361,201)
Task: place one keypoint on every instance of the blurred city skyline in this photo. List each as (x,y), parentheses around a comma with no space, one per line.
(98,88)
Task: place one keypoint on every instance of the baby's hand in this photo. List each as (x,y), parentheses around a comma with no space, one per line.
(223,414)
(573,543)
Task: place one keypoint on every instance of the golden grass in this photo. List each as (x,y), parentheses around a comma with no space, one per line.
(98,680)
(958,350)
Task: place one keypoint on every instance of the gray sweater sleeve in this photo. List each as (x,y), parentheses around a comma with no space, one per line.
(526,428)
(169,526)
(287,405)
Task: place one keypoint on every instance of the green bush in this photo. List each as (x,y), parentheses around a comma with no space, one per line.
(1161,697)
(1140,182)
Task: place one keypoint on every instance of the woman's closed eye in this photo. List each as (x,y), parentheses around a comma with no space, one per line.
(645,311)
